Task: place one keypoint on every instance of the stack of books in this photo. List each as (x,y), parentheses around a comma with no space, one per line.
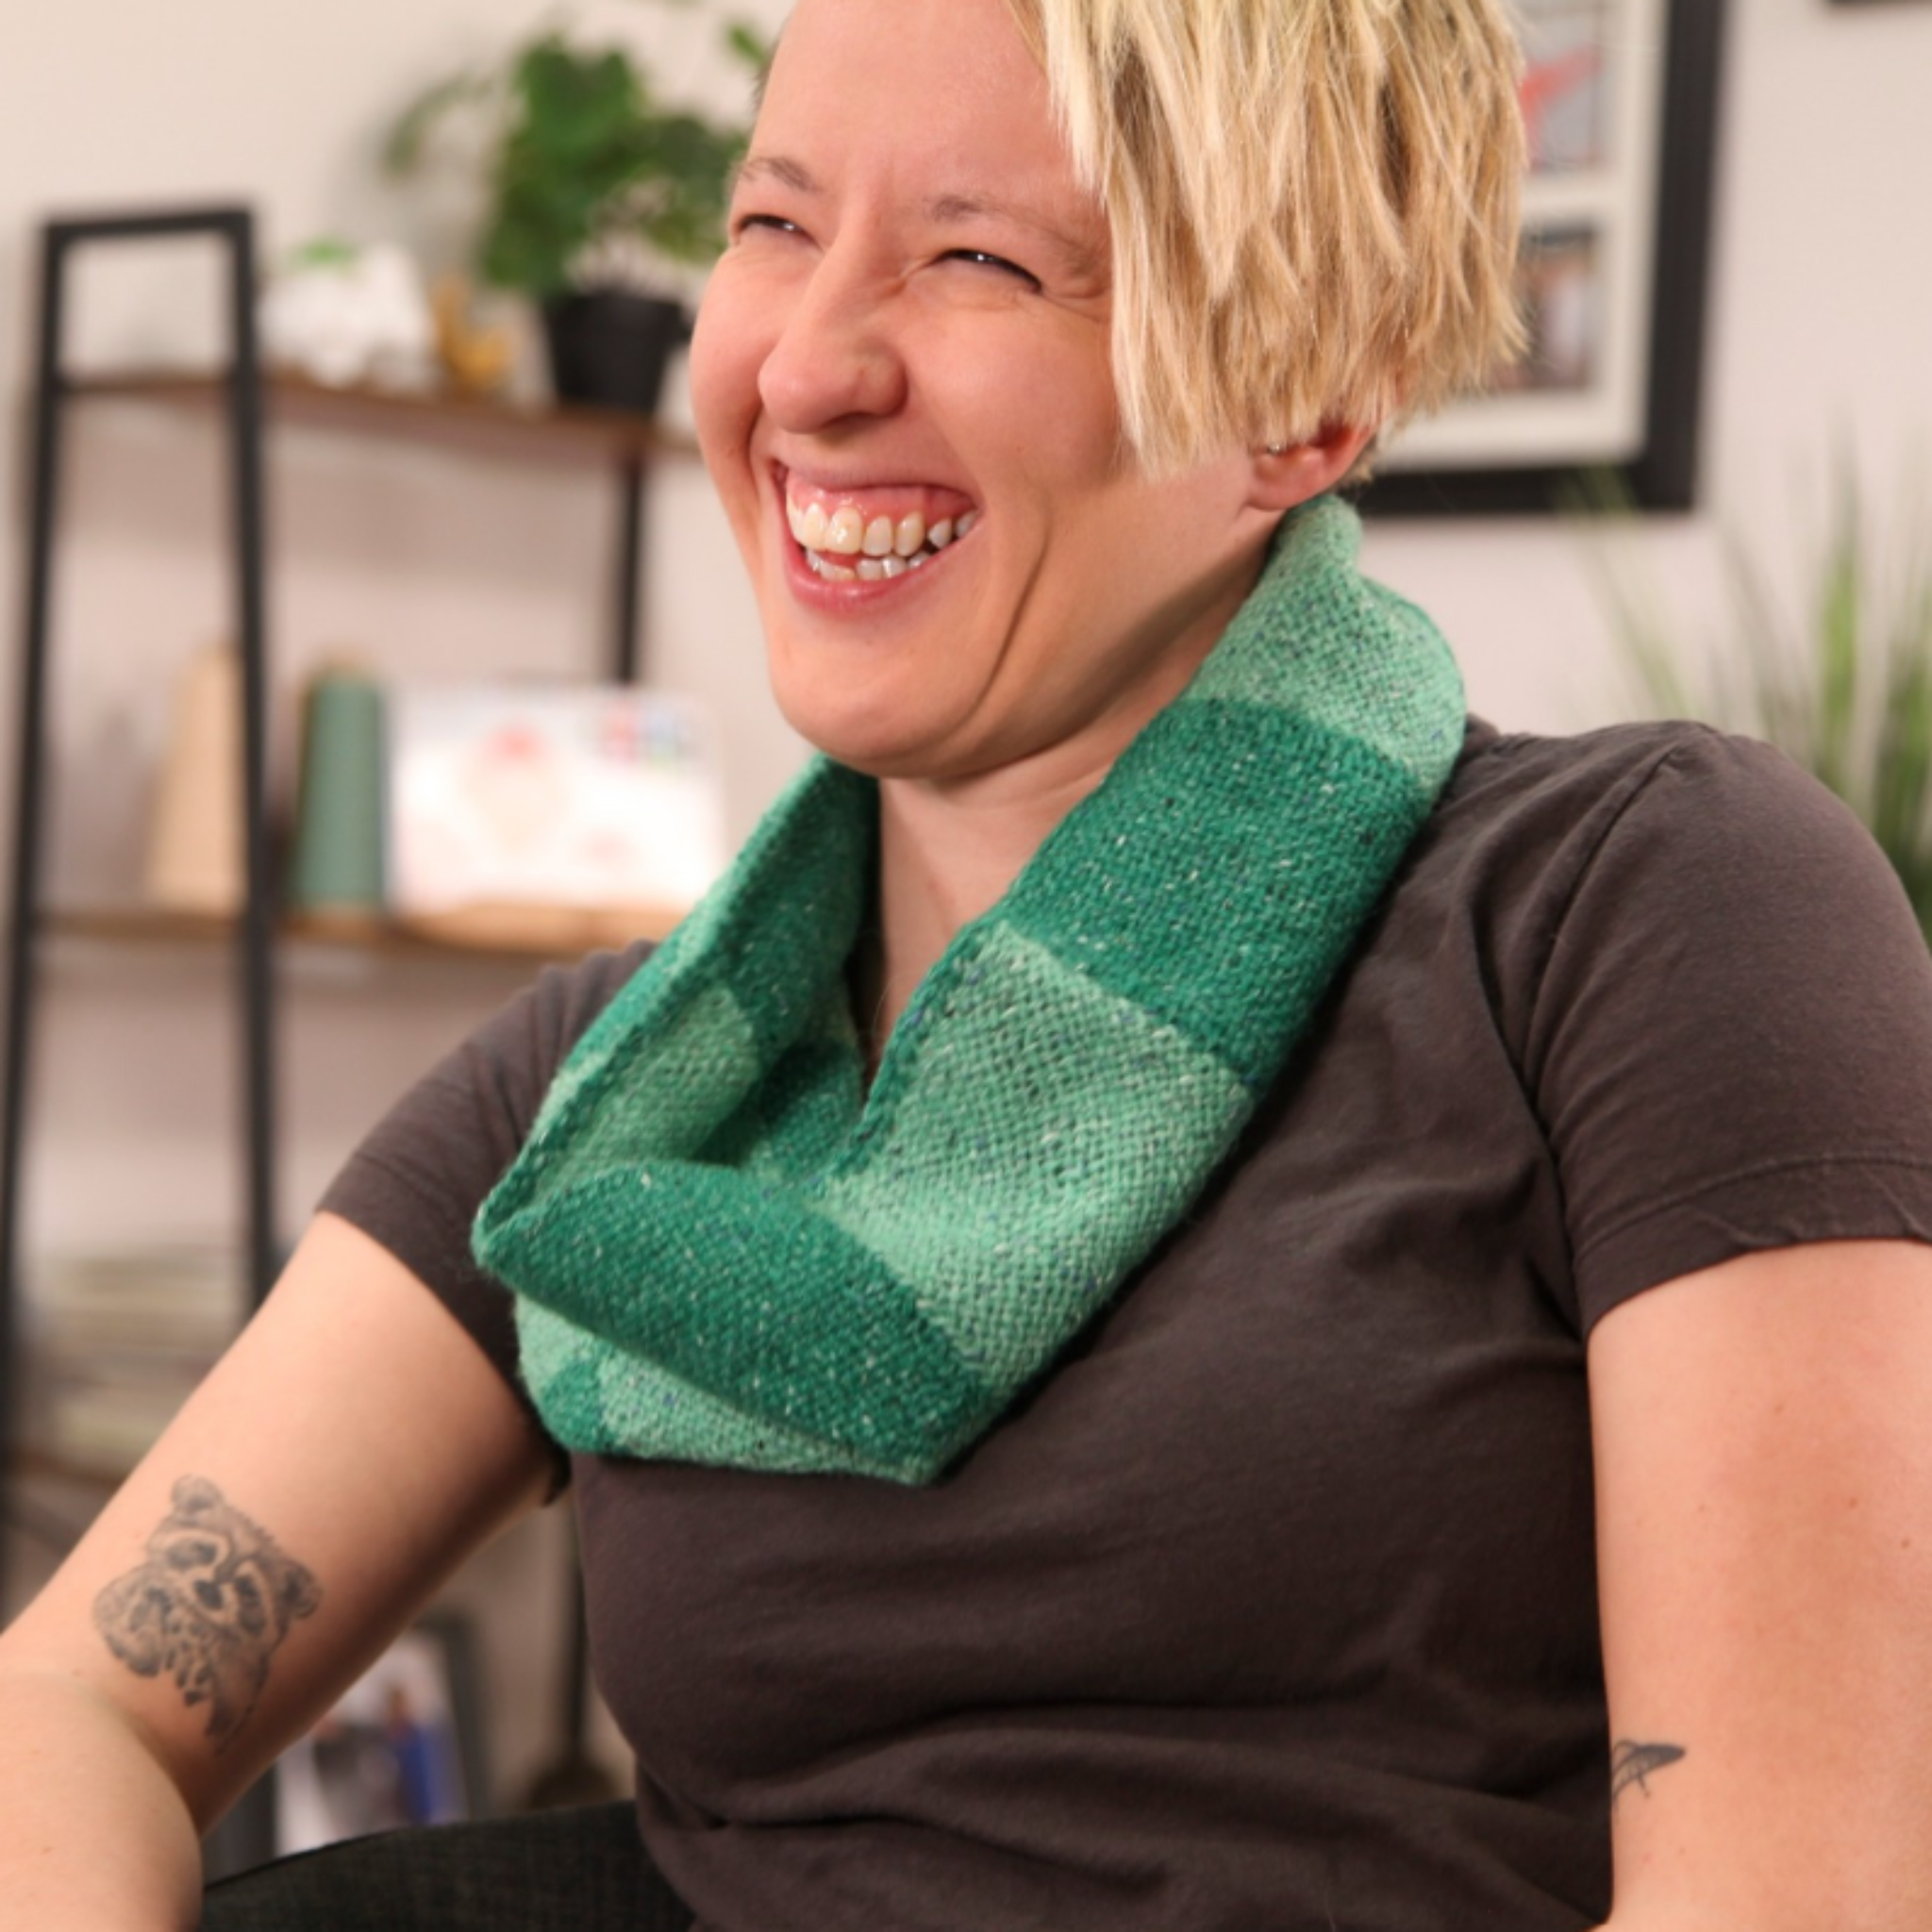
(118,1341)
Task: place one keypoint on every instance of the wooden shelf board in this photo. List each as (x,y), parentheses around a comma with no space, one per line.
(557,433)
(27,1461)
(546,934)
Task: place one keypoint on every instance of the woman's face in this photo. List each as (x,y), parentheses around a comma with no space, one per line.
(903,352)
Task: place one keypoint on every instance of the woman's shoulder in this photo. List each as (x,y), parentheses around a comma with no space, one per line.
(1520,781)
(559,1006)
(1671,822)
(417,1178)
(1709,981)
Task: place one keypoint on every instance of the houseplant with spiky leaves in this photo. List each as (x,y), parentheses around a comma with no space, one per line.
(1842,685)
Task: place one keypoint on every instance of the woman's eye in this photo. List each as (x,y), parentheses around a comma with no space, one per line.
(776,225)
(978,257)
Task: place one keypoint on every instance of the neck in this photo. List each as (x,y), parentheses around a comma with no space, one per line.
(950,847)
(948,851)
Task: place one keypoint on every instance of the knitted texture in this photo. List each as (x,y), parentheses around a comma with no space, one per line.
(725,1251)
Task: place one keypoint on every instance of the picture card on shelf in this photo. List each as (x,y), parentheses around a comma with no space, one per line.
(570,815)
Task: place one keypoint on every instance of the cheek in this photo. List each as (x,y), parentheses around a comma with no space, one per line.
(992,399)
(724,380)
(723,403)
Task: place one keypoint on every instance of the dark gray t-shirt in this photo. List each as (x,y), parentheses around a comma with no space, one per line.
(1274,1605)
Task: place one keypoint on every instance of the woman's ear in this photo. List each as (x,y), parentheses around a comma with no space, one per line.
(1288,474)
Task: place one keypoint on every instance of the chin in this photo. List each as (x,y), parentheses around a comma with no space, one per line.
(871,738)
(881,747)
(888,727)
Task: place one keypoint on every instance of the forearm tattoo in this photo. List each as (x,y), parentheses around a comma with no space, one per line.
(1632,1764)
(208,1606)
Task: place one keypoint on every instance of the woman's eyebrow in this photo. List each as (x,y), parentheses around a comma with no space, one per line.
(794,174)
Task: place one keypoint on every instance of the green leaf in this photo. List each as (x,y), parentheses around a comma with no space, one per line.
(584,156)
(325,251)
(1838,622)
(1846,689)
(402,153)
(750,46)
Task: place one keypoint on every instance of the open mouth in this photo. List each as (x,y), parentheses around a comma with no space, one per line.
(870,536)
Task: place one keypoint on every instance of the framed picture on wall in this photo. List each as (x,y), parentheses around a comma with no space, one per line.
(1619,97)
(403,1746)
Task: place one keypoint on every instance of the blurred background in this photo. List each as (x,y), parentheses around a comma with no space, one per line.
(427,561)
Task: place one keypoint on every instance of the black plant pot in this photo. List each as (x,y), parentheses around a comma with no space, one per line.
(609,347)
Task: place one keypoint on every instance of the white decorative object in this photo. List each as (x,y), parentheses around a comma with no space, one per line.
(343,315)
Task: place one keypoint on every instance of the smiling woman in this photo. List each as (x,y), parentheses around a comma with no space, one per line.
(913,318)
(1202,1294)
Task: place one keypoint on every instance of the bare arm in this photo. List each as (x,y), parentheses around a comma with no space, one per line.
(1764,1488)
(348,1451)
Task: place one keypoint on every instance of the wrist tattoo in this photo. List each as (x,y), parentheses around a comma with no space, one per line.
(1632,1764)
(208,1606)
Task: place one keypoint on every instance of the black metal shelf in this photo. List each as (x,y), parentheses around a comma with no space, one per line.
(250,402)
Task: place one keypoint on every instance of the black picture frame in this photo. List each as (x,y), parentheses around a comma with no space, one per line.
(403,1746)
(1663,475)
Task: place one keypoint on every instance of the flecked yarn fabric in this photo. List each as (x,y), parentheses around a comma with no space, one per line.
(726,1251)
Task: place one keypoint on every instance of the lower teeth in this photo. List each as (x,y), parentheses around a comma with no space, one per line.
(870,569)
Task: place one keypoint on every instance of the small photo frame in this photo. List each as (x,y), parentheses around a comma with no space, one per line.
(402,1747)
(1618,101)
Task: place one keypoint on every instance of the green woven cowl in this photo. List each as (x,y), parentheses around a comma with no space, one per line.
(724,1251)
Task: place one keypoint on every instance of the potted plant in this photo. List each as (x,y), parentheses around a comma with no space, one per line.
(1844,687)
(597,192)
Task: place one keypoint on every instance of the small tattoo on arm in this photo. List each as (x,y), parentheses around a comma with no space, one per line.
(1632,1764)
(208,1606)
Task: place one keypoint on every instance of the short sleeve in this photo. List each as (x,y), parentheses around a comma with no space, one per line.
(416,1182)
(1731,1045)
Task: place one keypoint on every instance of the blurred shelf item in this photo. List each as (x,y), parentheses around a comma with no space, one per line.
(518,935)
(544,932)
(32,1461)
(530,433)
(119,1338)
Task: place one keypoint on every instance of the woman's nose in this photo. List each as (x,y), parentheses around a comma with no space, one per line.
(836,354)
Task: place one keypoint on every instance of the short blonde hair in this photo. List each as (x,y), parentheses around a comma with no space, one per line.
(1313,204)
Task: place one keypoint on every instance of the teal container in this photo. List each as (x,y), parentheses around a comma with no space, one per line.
(340,809)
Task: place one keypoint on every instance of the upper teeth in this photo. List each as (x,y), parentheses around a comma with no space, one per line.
(847,532)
